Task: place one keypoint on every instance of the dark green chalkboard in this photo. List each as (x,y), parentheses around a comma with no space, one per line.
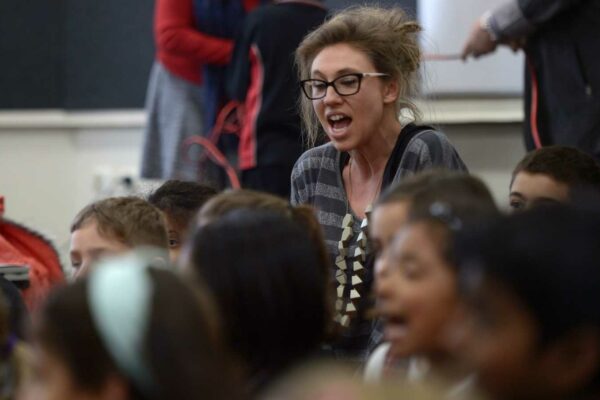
(82,54)
(75,54)
(31,44)
(109,52)
(409,5)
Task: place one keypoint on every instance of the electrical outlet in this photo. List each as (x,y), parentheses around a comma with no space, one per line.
(110,181)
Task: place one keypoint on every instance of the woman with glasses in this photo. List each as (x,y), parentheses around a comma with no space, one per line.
(358,71)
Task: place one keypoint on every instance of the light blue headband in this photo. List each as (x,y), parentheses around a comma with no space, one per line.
(120,296)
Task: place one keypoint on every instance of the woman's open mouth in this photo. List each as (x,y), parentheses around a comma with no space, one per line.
(339,123)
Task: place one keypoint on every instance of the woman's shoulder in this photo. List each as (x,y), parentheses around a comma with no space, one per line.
(431,147)
(315,167)
(430,137)
(320,157)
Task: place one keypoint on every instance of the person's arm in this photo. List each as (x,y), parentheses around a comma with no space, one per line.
(238,73)
(511,22)
(297,188)
(299,185)
(176,33)
(520,18)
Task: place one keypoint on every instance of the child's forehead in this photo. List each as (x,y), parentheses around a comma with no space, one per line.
(178,223)
(393,214)
(540,179)
(428,230)
(95,228)
(400,206)
(88,222)
(416,236)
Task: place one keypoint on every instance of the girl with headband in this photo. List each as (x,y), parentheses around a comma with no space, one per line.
(131,331)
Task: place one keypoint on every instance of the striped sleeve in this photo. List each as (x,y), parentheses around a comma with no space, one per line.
(298,185)
(429,149)
(312,173)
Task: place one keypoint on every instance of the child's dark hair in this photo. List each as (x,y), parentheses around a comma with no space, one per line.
(303,215)
(406,189)
(130,220)
(181,200)
(548,258)
(67,329)
(563,164)
(269,280)
(4,321)
(451,202)
(18,316)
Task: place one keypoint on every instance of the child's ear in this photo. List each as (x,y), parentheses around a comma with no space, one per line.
(575,360)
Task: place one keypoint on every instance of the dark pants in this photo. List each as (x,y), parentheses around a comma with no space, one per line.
(270,179)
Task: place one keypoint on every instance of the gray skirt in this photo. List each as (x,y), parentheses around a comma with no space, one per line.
(174,113)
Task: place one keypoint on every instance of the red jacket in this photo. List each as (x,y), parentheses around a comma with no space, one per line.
(181,48)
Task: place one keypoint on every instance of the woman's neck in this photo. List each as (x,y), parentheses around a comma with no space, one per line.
(363,175)
(371,157)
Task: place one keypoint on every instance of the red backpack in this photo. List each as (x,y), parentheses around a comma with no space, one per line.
(28,259)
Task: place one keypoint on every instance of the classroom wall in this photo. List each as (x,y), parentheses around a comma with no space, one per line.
(47,175)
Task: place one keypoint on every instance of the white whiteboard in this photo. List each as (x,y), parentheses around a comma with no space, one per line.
(447,24)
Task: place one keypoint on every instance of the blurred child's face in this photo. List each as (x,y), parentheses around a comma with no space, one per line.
(502,346)
(176,235)
(386,220)
(528,189)
(416,294)
(88,246)
(54,381)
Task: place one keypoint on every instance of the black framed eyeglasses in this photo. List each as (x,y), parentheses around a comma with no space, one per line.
(345,85)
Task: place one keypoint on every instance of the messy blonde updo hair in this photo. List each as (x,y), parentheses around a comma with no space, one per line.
(388,36)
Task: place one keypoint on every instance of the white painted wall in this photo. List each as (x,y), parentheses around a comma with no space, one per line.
(46,176)
(47,171)
(490,151)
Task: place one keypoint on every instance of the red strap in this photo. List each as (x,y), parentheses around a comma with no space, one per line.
(216,156)
(533,112)
(222,125)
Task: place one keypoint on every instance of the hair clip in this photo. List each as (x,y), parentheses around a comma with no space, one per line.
(443,213)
